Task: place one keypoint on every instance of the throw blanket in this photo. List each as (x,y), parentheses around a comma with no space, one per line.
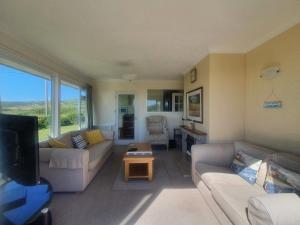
(67,159)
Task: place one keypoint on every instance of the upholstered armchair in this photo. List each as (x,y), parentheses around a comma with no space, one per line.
(157,130)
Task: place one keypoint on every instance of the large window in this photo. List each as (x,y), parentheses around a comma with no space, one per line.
(23,93)
(73,108)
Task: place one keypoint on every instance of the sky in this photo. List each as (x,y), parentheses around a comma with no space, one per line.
(16,85)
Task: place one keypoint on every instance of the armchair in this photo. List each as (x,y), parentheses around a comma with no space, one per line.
(157,130)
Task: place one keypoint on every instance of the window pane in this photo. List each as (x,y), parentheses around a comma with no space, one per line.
(69,108)
(162,100)
(83,109)
(22,93)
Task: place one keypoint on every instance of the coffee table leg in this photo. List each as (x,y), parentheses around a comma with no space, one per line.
(126,175)
(150,171)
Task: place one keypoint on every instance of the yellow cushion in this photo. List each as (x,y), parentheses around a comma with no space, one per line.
(56,144)
(94,136)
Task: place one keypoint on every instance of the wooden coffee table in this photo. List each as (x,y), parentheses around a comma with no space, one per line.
(139,167)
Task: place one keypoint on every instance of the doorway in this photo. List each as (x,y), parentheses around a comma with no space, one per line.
(125,121)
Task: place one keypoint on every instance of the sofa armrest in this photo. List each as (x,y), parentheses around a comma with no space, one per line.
(279,209)
(214,154)
(69,158)
(166,132)
(45,154)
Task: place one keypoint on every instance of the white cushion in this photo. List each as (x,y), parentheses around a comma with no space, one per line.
(233,199)
(274,209)
(212,175)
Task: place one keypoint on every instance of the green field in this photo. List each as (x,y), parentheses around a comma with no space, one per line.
(44,133)
(68,116)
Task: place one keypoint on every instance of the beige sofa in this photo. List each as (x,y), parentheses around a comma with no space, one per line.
(71,170)
(228,195)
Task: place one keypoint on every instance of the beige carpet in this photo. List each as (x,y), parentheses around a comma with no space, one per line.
(176,203)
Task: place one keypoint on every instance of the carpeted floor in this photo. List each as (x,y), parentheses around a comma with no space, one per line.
(175,201)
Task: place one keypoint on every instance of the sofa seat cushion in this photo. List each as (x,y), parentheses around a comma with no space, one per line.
(214,175)
(158,137)
(233,199)
(97,152)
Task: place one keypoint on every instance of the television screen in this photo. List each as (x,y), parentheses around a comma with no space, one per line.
(19,150)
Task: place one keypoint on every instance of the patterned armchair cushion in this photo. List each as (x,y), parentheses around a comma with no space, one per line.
(156,124)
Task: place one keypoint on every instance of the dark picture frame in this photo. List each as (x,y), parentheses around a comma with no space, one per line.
(193,75)
(194,105)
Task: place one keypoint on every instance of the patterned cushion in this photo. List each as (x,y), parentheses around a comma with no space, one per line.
(281,180)
(79,142)
(246,166)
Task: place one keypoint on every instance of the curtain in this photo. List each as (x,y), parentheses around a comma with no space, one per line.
(90,106)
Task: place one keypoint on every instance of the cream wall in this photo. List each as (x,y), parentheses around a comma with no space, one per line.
(227,76)
(105,98)
(222,77)
(277,128)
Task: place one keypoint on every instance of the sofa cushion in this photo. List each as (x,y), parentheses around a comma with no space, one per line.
(98,150)
(66,139)
(233,199)
(287,160)
(94,136)
(268,210)
(56,144)
(258,152)
(246,166)
(79,142)
(213,175)
(281,180)
(158,137)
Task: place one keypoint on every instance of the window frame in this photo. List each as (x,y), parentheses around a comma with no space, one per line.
(35,73)
(172,111)
(56,80)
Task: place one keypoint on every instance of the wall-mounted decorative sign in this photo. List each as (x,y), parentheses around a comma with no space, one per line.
(272,104)
(193,75)
(194,105)
(269,74)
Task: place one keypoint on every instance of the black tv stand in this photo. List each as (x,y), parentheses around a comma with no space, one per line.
(34,210)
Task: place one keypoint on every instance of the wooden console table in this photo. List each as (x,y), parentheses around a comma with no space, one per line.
(197,136)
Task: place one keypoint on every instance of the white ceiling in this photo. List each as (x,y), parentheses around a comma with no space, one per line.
(151,38)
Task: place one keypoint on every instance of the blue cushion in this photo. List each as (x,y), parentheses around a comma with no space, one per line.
(281,180)
(246,166)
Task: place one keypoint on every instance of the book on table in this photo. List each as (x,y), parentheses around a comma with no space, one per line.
(139,153)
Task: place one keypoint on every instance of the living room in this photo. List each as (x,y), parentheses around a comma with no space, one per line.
(150,112)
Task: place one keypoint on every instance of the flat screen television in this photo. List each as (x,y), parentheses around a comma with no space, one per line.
(19,149)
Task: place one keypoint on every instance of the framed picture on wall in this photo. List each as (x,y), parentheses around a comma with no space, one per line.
(194,105)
